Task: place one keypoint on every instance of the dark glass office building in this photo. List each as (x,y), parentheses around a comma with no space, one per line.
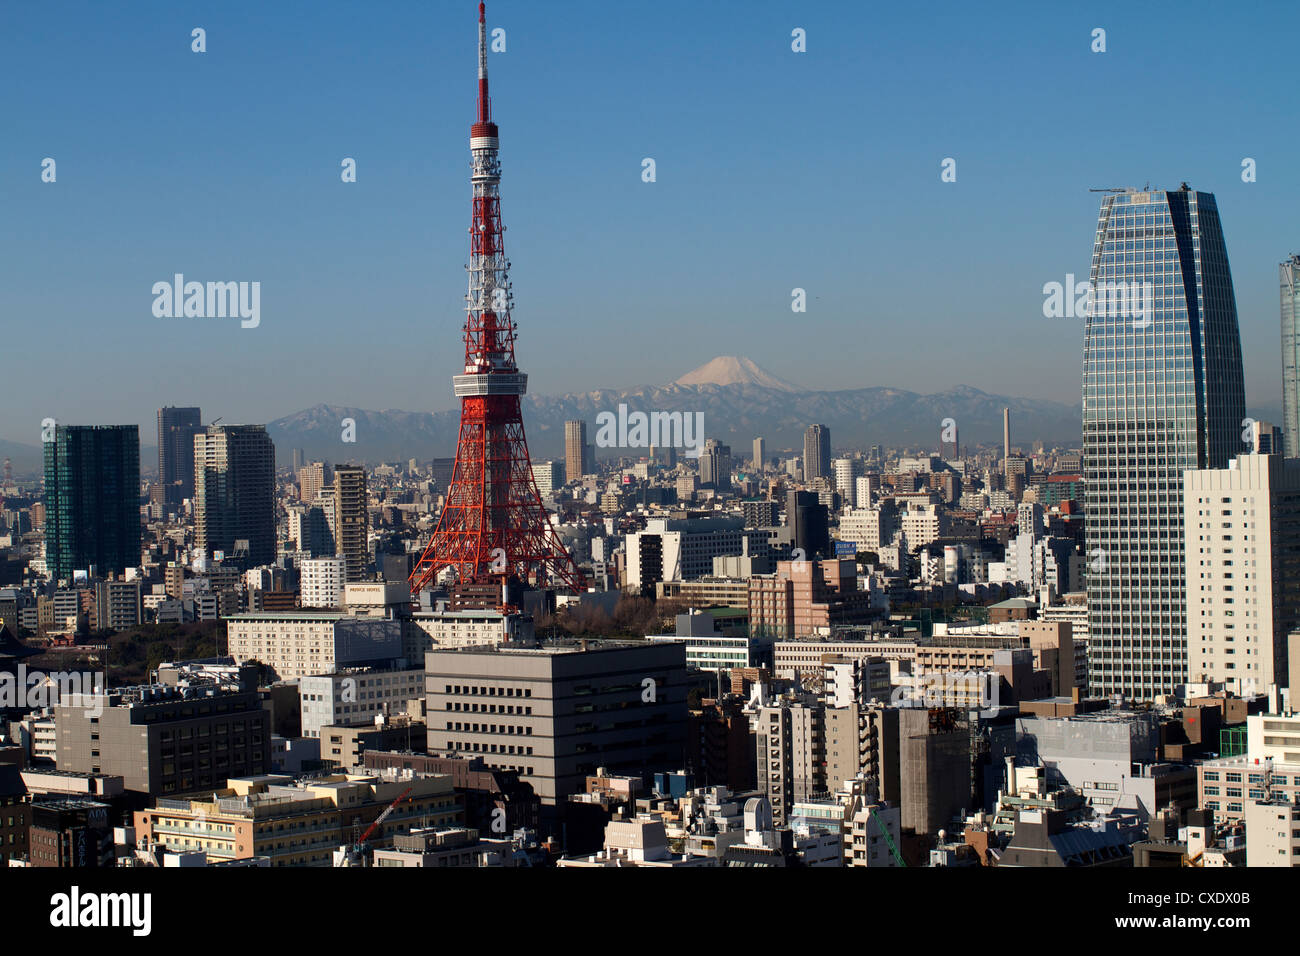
(234,493)
(176,430)
(1162,393)
(92,499)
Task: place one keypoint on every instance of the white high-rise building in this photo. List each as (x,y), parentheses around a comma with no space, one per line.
(847,471)
(322,582)
(864,488)
(1242,532)
(869,528)
(549,476)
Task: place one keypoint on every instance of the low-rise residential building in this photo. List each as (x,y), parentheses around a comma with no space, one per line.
(297,824)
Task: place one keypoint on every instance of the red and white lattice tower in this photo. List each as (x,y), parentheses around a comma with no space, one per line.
(493,525)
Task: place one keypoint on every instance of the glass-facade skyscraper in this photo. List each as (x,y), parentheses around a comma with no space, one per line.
(1162,392)
(92,499)
(1289,274)
(234,493)
(176,430)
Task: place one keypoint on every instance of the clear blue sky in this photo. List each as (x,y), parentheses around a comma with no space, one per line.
(775,170)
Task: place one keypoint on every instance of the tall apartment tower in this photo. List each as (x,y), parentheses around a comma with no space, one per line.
(1289,273)
(351,520)
(760,454)
(234,490)
(176,430)
(1162,394)
(1242,526)
(575,451)
(816,453)
(92,499)
(790,753)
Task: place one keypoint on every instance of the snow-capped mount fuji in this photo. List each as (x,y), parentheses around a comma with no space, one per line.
(736,370)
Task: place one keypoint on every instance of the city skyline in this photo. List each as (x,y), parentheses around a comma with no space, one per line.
(872,619)
(266,206)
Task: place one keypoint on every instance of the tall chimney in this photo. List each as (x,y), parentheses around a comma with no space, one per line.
(1011,776)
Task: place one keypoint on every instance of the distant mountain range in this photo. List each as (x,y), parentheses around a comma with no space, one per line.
(739,401)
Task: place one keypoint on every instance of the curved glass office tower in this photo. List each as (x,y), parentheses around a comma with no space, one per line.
(1162,393)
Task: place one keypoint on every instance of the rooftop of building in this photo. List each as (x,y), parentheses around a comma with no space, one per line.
(68,803)
(549,649)
(326,615)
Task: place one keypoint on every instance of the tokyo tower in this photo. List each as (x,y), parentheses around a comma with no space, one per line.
(493,524)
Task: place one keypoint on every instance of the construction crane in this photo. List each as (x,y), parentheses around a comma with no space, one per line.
(889,841)
(356,853)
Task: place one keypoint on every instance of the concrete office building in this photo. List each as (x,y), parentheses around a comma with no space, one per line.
(711,591)
(549,476)
(163,740)
(321,582)
(869,528)
(343,748)
(356,696)
(557,713)
(300,643)
(1109,757)
(474,627)
(1269,769)
(806,655)
(1242,528)
(445,847)
(681,549)
(389,599)
(1272,833)
(803,596)
(760,455)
